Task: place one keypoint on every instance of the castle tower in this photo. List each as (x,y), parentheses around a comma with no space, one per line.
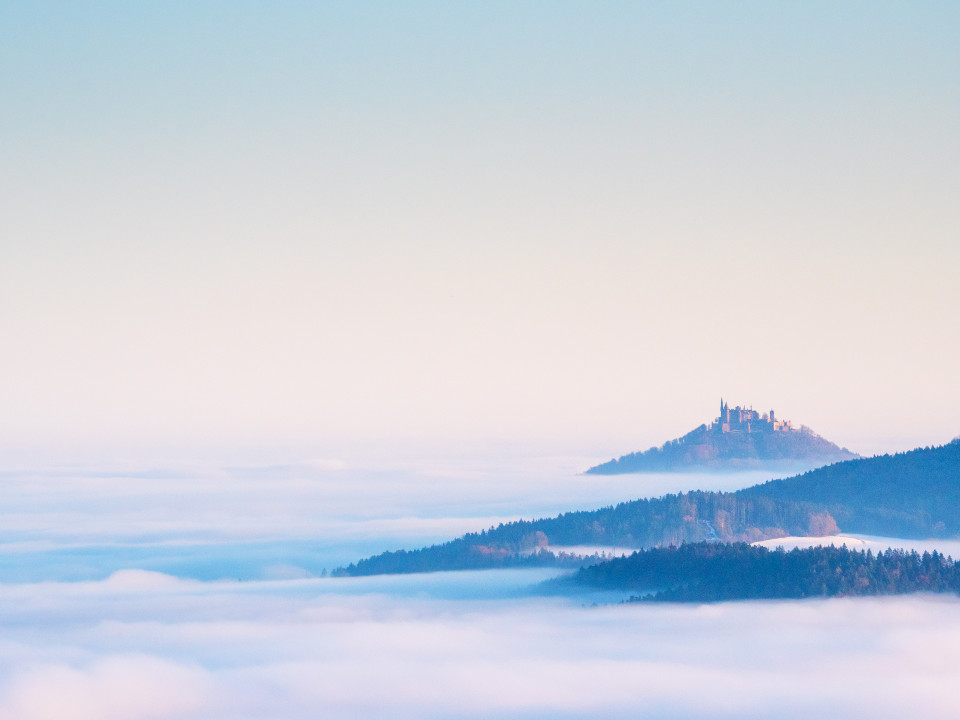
(723,422)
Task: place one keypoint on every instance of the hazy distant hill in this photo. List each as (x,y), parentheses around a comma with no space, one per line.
(914,494)
(739,439)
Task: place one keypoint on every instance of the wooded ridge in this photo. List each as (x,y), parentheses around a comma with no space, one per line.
(914,495)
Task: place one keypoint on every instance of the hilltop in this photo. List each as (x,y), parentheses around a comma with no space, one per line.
(740,438)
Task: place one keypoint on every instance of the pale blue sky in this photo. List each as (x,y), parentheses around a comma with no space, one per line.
(559,227)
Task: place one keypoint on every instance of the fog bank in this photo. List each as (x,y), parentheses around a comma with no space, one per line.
(141,645)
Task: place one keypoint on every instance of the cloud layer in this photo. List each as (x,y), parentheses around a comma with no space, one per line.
(122,640)
(141,645)
(249,523)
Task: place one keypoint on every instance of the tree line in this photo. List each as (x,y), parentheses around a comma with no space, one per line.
(706,572)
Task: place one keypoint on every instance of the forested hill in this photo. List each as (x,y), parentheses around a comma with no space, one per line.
(914,494)
(904,479)
(707,449)
(911,494)
(705,572)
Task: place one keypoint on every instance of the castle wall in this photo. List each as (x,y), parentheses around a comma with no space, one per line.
(748,420)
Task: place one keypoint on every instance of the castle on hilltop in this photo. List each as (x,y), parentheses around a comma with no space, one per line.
(739,439)
(748,420)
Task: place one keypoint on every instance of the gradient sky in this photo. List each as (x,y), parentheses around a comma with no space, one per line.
(540,227)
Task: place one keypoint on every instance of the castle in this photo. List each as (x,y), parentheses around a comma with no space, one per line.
(748,420)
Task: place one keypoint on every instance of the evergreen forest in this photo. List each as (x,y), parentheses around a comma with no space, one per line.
(913,495)
(706,572)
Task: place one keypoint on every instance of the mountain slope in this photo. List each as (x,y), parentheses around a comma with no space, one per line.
(911,494)
(914,494)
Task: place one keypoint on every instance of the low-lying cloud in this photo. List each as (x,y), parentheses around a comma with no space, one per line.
(139,645)
(148,629)
(269,522)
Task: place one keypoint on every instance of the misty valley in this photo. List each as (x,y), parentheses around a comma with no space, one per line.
(267,591)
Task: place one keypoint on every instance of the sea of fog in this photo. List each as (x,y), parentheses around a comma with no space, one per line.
(197,592)
(282,522)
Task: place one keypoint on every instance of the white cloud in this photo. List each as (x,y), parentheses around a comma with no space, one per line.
(125,687)
(863,543)
(145,644)
(138,646)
